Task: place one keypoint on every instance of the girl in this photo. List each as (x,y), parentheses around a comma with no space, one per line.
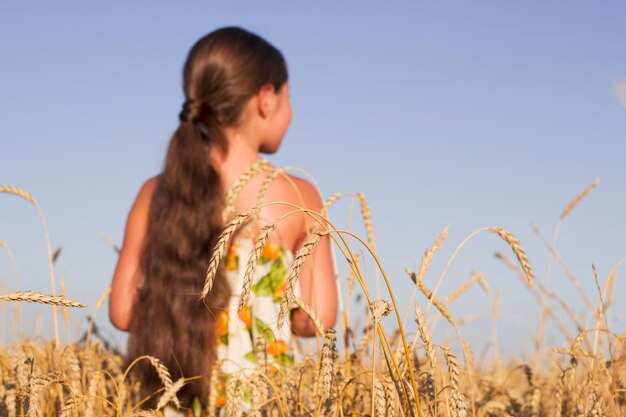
(236,106)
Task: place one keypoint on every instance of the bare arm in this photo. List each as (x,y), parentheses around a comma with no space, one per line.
(317,279)
(128,270)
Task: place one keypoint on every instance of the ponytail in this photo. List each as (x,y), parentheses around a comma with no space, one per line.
(169,322)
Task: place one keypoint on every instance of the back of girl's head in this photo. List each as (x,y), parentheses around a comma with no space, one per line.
(223,70)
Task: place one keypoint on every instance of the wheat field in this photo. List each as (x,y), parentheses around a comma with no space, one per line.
(353,370)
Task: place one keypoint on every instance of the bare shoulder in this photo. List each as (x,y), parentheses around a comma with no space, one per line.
(147,190)
(142,203)
(298,191)
(148,187)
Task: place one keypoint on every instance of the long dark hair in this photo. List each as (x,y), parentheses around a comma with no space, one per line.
(223,70)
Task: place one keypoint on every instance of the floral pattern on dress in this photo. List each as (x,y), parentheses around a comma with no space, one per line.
(238,331)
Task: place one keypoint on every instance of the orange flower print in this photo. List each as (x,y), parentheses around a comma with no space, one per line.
(277,348)
(221,395)
(232,260)
(271,251)
(278,292)
(245,315)
(221,327)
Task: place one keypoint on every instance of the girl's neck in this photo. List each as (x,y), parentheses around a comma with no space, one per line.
(239,157)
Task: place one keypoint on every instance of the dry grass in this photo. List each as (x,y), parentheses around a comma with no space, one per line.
(584,378)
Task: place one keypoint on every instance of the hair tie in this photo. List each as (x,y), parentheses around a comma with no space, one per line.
(193,111)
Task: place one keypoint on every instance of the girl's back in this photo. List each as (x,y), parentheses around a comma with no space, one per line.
(237,105)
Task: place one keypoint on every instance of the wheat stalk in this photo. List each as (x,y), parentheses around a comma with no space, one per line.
(73,376)
(253,259)
(367,218)
(146,413)
(456,398)
(8,189)
(294,273)
(170,394)
(424,264)
(570,206)
(309,312)
(380,402)
(327,366)
(330,201)
(435,301)
(233,396)
(476,277)
(266,185)
(37,383)
(68,408)
(213,381)
(424,334)
(428,254)
(391,396)
(517,250)
(162,372)
(244,178)
(25,195)
(220,247)
(110,243)
(37,297)
(352,275)
(17,308)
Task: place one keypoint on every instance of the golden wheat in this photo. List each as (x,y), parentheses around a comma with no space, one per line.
(37,297)
(294,272)
(517,250)
(170,394)
(232,194)
(220,247)
(570,206)
(253,259)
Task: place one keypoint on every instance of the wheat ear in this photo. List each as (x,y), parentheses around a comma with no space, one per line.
(570,206)
(330,201)
(28,197)
(367,219)
(380,402)
(170,394)
(327,366)
(162,371)
(9,189)
(462,288)
(253,259)
(435,301)
(294,272)
(213,381)
(220,247)
(428,254)
(517,250)
(266,185)
(37,384)
(233,396)
(244,178)
(426,338)
(37,297)
(456,398)
(309,312)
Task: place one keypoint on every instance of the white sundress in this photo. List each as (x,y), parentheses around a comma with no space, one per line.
(237,331)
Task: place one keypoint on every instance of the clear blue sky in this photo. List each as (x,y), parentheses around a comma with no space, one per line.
(464,113)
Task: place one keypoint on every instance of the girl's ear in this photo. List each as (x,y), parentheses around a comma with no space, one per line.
(266,99)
